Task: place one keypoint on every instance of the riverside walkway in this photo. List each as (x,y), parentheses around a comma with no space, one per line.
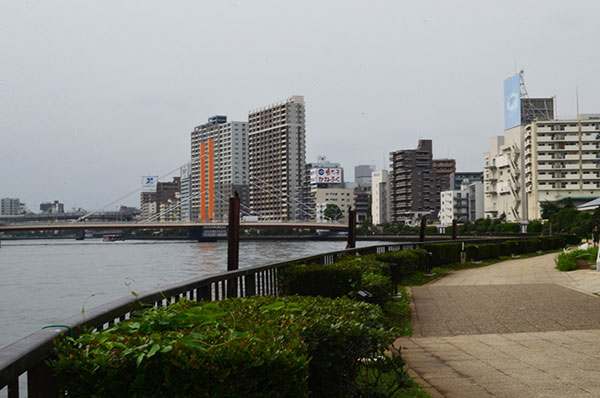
(519,328)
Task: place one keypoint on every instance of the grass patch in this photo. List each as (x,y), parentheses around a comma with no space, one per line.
(398,312)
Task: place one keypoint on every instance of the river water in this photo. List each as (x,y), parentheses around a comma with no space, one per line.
(45,281)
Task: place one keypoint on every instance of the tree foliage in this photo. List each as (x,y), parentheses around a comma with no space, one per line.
(333,212)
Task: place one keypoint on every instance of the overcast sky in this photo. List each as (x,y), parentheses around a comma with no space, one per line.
(96,94)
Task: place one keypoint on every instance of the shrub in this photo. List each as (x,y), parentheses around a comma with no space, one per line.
(321,280)
(574,260)
(444,253)
(253,347)
(367,263)
(380,286)
(403,263)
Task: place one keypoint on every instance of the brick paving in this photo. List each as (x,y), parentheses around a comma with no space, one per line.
(514,329)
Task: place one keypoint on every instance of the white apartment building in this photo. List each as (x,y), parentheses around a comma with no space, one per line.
(186,192)
(380,197)
(501,176)
(9,207)
(219,167)
(277,156)
(341,197)
(461,205)
(562,159)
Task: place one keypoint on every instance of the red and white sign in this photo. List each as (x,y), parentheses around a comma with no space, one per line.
(326,175)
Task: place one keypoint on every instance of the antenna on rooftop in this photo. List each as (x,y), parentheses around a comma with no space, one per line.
(523,88)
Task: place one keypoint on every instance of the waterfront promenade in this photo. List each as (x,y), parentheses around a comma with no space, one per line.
(519,328)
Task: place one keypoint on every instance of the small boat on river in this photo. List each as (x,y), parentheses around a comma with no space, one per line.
(113,238)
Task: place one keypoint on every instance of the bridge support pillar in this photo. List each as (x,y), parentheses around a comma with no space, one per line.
(454,229)
(80,234)
(351,229)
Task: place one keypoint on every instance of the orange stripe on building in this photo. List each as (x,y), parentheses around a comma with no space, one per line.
(203,181)
(211,179)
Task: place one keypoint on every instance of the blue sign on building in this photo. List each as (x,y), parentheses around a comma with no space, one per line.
(512,101)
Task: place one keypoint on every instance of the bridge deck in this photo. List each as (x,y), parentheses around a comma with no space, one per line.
(74,226)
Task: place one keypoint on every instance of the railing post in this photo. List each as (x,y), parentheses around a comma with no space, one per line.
(422,232)
(351,229)
(41,382)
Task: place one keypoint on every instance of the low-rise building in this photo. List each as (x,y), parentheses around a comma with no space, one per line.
(343,198)
(52,207)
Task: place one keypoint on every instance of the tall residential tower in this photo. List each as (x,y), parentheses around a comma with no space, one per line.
(277,156)
(219,167)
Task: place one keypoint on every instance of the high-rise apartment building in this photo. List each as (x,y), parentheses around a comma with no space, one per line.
(380,196)
(186,192)
(444,170)
(416,181)
(562,159)
(219,167)
(277,156)
(9,207)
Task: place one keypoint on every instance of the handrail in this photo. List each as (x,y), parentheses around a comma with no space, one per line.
(30,353)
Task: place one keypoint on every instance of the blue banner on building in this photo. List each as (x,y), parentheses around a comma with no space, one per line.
(512,101)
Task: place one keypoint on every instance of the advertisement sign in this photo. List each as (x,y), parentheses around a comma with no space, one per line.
(149,183)
(512,101)
(326,175)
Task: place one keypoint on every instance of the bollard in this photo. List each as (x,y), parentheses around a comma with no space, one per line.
(598,261)
(429,264)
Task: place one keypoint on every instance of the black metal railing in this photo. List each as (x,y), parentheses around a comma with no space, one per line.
(28,356)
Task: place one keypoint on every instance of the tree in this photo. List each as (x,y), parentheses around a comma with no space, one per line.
(332,212)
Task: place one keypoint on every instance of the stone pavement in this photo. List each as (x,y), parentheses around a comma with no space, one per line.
(519,328)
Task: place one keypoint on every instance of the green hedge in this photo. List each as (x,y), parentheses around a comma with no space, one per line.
(253,347)
(444,253)
(321,280)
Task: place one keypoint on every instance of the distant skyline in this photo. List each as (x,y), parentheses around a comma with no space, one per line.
(94,95)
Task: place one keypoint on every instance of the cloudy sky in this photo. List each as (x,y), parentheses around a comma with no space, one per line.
(96,94)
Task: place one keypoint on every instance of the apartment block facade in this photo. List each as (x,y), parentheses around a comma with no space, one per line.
(417,180)
(277,158)
(219,168)
(562,159)
(464,204)
(380,197)
(10,207)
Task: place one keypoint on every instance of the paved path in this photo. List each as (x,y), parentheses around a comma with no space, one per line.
(514,329)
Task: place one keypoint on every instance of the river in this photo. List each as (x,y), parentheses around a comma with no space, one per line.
(45,281)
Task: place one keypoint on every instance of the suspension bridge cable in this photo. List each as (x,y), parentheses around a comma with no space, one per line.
(123,197)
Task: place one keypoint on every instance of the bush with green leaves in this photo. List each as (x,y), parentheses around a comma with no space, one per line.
(252,347)
(569,261)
